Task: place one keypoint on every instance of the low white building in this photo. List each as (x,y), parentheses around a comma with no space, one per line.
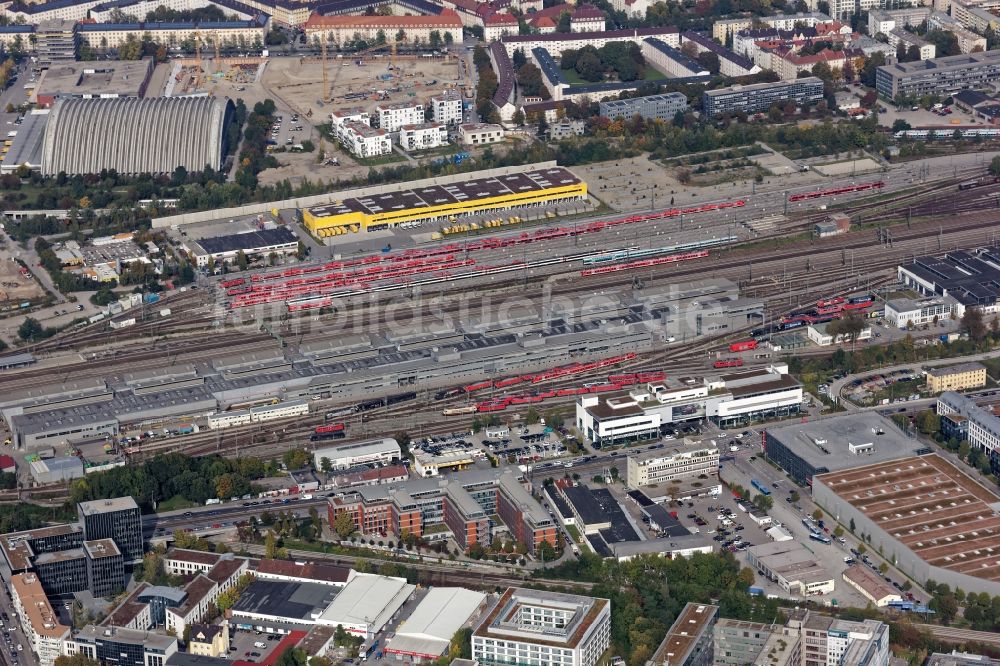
(281,410)
(817,333)
(367,603)
(423,136)
(904,311)
(221,420)
(426,634)
(392,117)
(673,463)
(344,456)
(792,566)
(363,141)
(353,115)
(872,586)
(475,134)
(446,107)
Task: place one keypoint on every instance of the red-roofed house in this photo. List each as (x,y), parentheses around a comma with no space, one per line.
(497,25)
(7,464)
(544,25)
(788,64)
(341,29)
(587,18)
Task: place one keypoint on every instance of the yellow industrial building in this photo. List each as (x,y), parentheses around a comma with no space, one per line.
(444,203)
(956,377)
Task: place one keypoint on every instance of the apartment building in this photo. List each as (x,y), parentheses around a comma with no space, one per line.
(939,76)
(392,117)
(689,641)
(42,629)
(363,141)
(526,626)
(672,463)
(342,28)
(961,377)
(899,36)
(651,107)
(248,32)
(475,134)
(759,97)
(827,640)
(423,136)
(446,107)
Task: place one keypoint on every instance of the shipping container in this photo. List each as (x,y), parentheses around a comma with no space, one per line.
(151,298)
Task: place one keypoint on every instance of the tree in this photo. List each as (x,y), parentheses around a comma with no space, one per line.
(851,526)
(973,325)
(518,59)
(928,422)
(794,496)
(241,260)
(882,568)
(709,61)
(564,22)
(838,531)
(518,118)
(270,545)
(343,525)
(817,514)
(532,416)
(31,330)
(76,660)
(296,458)
(995,166)
(326,465)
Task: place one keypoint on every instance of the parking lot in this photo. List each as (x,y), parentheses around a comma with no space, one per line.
(246,644)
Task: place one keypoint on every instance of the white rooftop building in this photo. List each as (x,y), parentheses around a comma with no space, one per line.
(344,456)
(367,603)
(427,633)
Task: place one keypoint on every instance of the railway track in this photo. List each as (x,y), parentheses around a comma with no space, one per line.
(440,574)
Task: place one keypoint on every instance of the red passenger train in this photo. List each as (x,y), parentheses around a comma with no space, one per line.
(878,185)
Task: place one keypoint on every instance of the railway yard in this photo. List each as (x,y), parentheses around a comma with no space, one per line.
(579,346)
(425,320)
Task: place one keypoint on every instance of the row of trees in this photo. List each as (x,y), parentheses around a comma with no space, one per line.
(648,592)
(171,475)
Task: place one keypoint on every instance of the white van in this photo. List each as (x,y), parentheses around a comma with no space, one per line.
(260,644)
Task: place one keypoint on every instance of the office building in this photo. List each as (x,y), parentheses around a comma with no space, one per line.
(673,464)
(980,427)
(939,76)
(906,313)
(105,567)
(926,515)
(43,631)
(961,377)
(62,572)
(837,443)
(527,625)
(689,641)
(759,97)
(651,107)
(828,640)
(121,647)
(738,642)
(956,658)
(118,519)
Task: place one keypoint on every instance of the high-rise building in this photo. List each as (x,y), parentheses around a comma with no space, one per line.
(105,567)
(118,519)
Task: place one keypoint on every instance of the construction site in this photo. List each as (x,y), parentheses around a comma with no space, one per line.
(316,86)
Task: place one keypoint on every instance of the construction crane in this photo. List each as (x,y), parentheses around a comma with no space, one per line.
(197,60)
(326,92)
(218,62)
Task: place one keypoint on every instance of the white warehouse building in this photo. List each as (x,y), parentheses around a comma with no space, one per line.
(344,456)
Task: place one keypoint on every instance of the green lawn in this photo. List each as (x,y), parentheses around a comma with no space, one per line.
(174,503)
(573,78)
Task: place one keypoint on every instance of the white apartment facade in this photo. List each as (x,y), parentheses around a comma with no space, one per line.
(392,117)
(423,136)
(476,134)
(363,141)
(446,108)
